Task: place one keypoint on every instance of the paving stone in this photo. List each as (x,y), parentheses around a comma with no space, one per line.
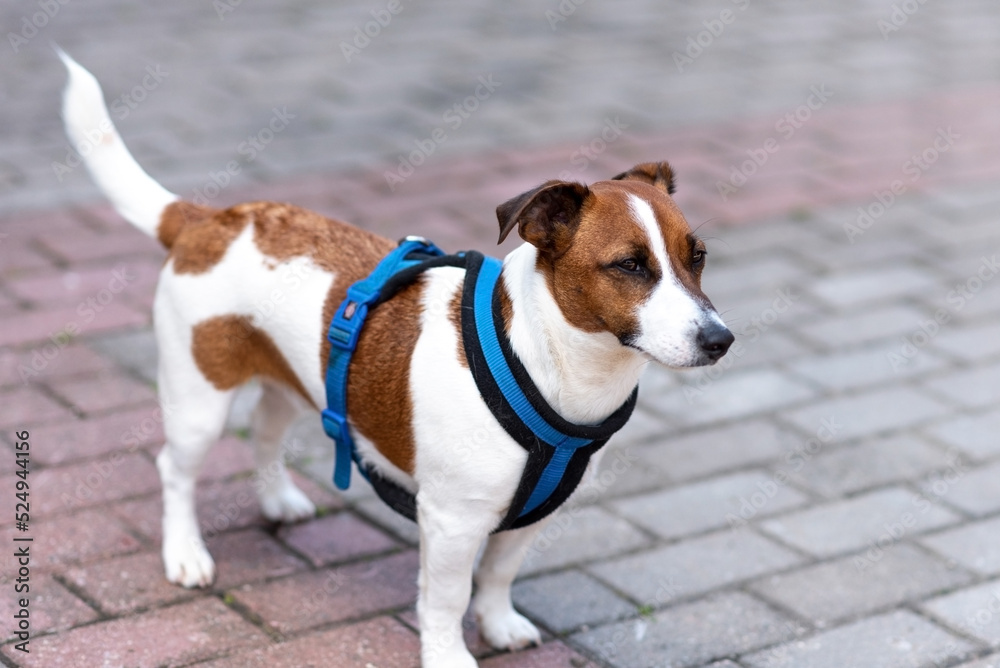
(734,395)
(579,534)
(48,362)
(859,584)
(231,456)
(707,505)
(127,584)
(850,524)
(568,600)
(974,435)
(67,442)
(975,546)
(991,661)
(176,635)
(51,607)
(39,326)
(835,332)
(104,392)
(882,363)
(895,640)
(72,539)
(381,642)
(857,288)
(659,576)
(68,488)
(970,343)
(135,350)
(714,449)
(75,286)
(691,634)
(871,463)
(974,611)
(376,511)
(974,387)
(26,405)
(972,490)
(334,538)
(869,413)
(311,599)
(549,655)
(250,556)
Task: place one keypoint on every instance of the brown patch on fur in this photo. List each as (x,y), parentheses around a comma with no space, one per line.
(455,316)
(176,216)
(658,174)
(229,351)
(202,242)
(506,306)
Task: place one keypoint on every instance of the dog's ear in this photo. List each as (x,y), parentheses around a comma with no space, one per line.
(657,174)
(546,216)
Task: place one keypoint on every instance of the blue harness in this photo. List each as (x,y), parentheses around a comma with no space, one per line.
(558,450)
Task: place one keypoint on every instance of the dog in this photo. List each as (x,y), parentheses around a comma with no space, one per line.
(607,280)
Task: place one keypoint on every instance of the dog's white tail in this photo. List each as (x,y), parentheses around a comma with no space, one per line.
(134,194)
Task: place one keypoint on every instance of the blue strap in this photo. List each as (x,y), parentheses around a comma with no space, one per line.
(343,334)
(564,445)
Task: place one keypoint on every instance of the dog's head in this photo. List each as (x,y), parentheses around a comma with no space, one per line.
(619,257)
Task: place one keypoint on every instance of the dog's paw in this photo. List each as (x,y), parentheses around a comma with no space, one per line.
(456,659)
(286,504)
(188,563)
(508,630)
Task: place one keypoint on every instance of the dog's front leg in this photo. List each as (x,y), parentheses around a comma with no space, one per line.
(500,624)
(448,546)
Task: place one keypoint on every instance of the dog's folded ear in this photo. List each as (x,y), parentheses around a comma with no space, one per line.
(546,216)
(657,174)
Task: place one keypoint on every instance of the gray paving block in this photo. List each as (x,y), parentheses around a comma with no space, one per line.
(134,350)
(898,639)
(714,449)
(976,435)
(852,289)
(568,600)
(857,585)
(974,387)
(876,518)
(970,342)
(974,490)
(991,661)
(881,363)
(975,546)
(709,504)
(974,611)
(656,577)
(577,534)
(871,463)
(841,330)
(869,413)
(689,635)
(735,394)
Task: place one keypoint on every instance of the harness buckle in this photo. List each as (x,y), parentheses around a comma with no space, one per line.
(334,424)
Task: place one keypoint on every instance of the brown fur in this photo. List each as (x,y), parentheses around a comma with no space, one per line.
(229,351)
(455,316)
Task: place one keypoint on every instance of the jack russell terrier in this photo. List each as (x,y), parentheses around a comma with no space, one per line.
(537,363)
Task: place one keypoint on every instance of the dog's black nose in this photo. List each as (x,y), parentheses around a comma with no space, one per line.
(715,339)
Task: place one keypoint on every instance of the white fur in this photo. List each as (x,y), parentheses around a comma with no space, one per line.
(466,466)
(670,319)
(134,194)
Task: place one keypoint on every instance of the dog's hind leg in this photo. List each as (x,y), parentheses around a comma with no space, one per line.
(194,415)
(499,623)
(280,499)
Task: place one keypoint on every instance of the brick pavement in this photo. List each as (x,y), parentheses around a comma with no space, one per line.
(825,496)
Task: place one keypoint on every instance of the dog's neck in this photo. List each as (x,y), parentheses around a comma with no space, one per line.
(585,377)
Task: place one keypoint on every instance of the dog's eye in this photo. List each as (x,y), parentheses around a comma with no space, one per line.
(698,257)
(630,265)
